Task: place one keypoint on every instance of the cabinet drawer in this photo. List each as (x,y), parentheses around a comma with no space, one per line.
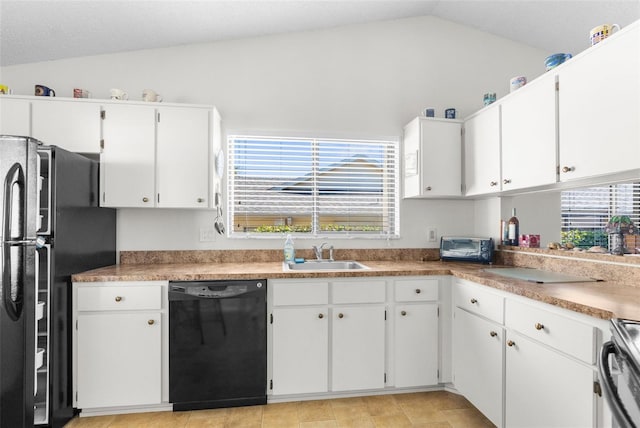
(300,293)
(564,334)
(476,299)
(99,298)
(416,290)
(362,291)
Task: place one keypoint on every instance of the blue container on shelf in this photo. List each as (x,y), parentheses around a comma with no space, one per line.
(555,60)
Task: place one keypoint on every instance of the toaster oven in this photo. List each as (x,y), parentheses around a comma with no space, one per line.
(479,250)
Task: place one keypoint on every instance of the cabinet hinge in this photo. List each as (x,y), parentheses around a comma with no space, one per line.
(102,144)
(385,378)
(104,198)
(76,395)
(438,373)
(557,86)
(158,117)
(597,389)
(158,197)
(385,314)
(462,132)
(271,384)
(76,324)
(103,114)
(270,318)
(438,311)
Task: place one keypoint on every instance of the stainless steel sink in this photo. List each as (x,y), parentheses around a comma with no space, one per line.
(323,265)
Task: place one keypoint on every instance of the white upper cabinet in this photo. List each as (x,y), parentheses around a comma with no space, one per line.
(72,125)
(15,117)
(529,135)
(127,163)
(599,102)
(183,159)
(432,158)
(482,152)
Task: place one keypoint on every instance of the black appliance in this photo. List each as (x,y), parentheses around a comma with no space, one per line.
(623,392)
(217,344)
(52,228)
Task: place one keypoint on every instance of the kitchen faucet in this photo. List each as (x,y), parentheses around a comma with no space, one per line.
(318,251)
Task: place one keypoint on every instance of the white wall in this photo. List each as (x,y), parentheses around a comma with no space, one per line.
(360,80)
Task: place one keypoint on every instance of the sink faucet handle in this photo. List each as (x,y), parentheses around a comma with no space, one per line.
(331,253)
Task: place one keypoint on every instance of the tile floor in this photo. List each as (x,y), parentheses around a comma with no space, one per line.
(423,409)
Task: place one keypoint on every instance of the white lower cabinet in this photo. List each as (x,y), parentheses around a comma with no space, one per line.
(545,388)
(478,346)
(334,336)
(524,363)
(119,343)
(300,350)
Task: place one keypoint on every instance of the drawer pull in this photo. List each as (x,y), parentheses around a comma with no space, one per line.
(539,326)
(403,313)
(200,200)
(493,183)
(145,199)
(510,343)
(493,334)
(474,301)
(320,316)
(151,322)
(118,299)
(418,291)
(340,315)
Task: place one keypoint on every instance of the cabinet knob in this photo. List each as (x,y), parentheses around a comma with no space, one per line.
(340,315)
(539,326)
(403,313)
(418,291)
(506,181)
(493,183)
(145,199)
(151,322)
(118,299)
(428,188)
(320,316)
(200,200)
(567,169)
(474,301)
(510,343)
(493,333)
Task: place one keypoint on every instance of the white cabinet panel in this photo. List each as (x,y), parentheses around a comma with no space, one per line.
(300,350)
(478,363)
(416,345)
(119,359)
(358,348)
(482,152)
(15,117)
(128,158)
(529,135)
(183,157)
(72,125)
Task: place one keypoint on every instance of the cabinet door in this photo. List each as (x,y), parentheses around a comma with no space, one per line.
(15,117)
(416,345)
(358,340)
(478,363)
(433,162)
(546,389)
(482,152)
(119,359)
(529,135)
(72,125)
(599,108)
(128,164)
(300,350)
(183,157)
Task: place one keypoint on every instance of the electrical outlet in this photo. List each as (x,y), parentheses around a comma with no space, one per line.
(207,235)
(432,234)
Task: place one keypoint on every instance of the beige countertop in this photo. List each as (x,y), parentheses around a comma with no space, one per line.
(605,300)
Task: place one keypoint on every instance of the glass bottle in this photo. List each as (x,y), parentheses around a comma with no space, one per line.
(514,229)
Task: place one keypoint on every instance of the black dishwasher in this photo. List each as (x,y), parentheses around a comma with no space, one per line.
(217,343)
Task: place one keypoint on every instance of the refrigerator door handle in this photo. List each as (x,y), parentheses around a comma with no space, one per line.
(13,228)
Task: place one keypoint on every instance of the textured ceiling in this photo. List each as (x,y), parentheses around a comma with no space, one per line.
(32,31)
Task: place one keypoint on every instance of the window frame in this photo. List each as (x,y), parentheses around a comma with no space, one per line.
(393,196)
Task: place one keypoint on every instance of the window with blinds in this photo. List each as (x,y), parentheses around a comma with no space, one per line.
(313,186)
(585,212)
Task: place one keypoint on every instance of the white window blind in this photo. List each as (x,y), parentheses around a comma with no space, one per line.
(313,186)
(585,212)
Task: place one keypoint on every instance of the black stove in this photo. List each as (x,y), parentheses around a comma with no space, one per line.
(623,392)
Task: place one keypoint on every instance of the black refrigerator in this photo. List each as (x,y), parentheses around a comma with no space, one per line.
(51,227)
